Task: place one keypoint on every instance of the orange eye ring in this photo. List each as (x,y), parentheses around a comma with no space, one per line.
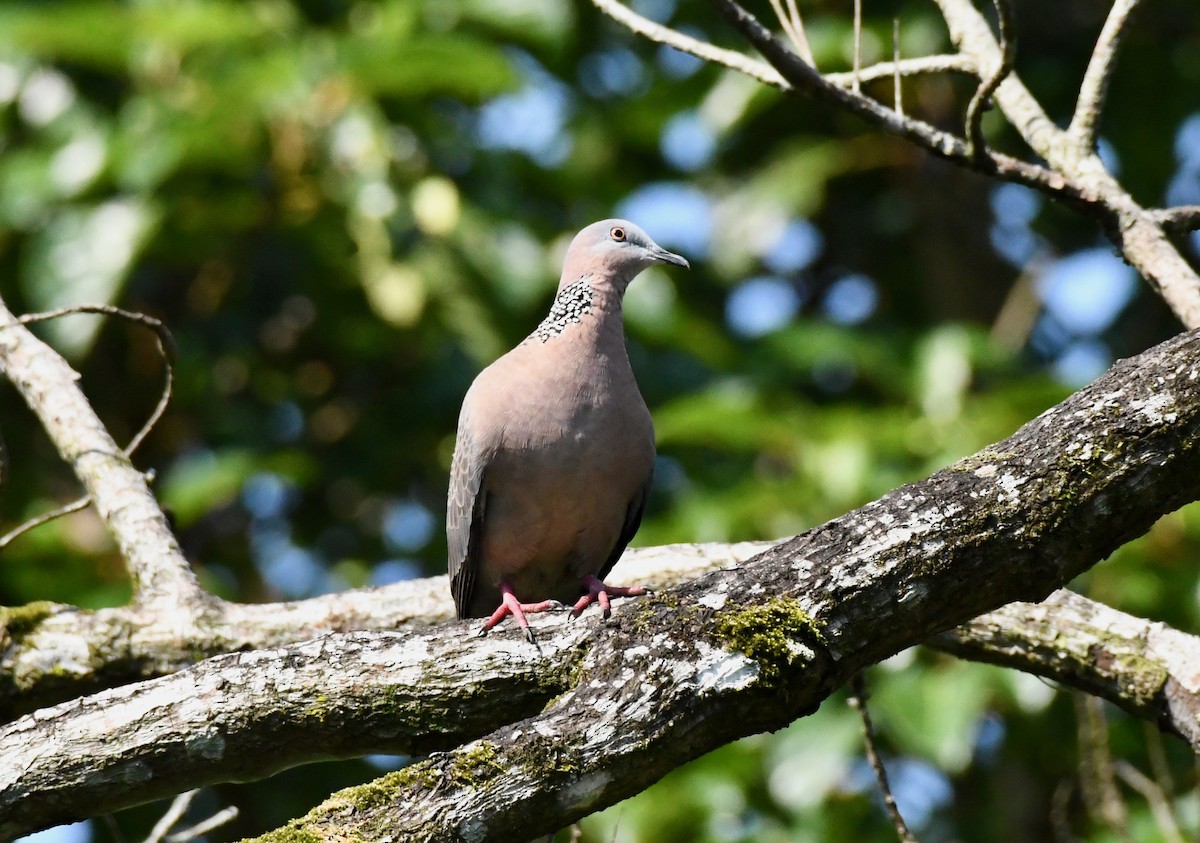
(617,233)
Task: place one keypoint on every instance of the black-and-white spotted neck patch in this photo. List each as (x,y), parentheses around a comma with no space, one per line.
(571,303)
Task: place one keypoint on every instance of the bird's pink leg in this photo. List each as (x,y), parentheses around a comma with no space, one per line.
(510,605)
(599,592)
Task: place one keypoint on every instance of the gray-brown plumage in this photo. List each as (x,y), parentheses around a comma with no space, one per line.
(555,447)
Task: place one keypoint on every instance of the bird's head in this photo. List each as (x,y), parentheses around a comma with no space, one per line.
(614,250)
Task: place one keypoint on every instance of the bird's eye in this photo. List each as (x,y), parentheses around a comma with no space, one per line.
(617,233)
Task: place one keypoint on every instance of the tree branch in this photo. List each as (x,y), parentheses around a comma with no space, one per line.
(734,652)
(160,574)
(805,79)
(763,72)
(1179,220)
(1074,172)
(1133,229)
(50,653)
(247,715)
(166,348)
(1094,87)
(1147,668)
(660,34)
(976,146)
(743,650)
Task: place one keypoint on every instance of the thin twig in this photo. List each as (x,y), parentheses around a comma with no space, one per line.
(1021,307)
(660,34)
(1097,777)
(785,21)
(166,349)
(225,815)
(804,79)
(617,825)
(802,42)
(1060,804)
(1094,88)
(793,27)
(908,67)
(976,147)
(856,85)
(899,102)
(858,699)
(1158,757)
(1160,808)
(114,830)
(44,518)
(174,814)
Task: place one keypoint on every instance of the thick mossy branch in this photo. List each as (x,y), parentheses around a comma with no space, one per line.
(1013,522)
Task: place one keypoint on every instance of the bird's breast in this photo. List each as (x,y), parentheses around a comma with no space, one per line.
(566,399)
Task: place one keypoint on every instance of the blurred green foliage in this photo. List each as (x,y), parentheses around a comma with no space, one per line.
(344,210)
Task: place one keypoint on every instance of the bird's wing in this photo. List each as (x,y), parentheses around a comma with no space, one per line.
(633,520)
(464,515)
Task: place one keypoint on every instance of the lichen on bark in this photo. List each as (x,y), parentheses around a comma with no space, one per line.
(778,635)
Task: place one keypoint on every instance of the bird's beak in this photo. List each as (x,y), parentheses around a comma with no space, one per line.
(661,255)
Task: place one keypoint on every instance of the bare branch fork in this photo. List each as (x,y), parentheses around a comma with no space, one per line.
(162,830)
(976,146)
(166,349)
(160,574)
(1071,172)
(604,710)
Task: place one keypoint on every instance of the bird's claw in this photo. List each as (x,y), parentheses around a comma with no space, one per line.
(598,592)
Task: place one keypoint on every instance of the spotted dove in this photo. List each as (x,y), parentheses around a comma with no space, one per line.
(555,447)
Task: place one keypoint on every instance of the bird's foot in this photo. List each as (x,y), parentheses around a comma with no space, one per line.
(598,592)
(510,605)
